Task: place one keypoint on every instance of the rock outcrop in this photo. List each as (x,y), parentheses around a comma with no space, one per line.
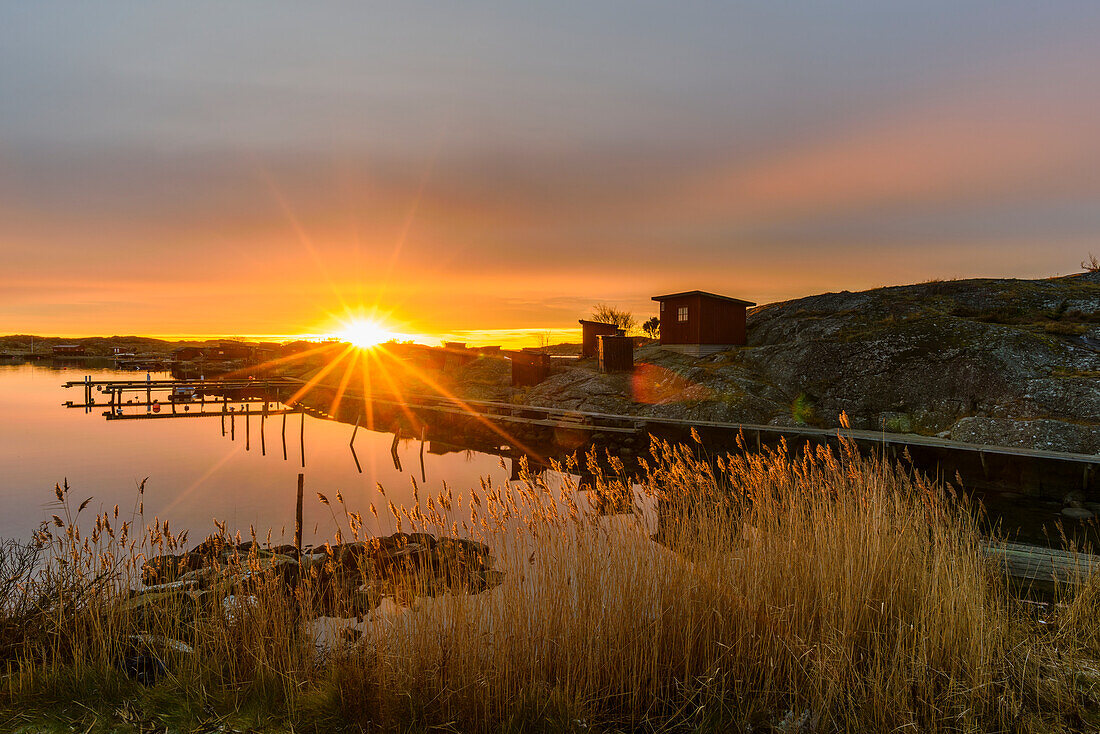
(1005,362)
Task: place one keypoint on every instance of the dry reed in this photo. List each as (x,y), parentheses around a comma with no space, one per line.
(786,591)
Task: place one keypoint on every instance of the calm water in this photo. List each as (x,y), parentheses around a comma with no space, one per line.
(195,474)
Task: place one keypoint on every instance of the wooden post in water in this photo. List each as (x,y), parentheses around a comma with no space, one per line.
(284,436)
(148,392)
(247,423)
(423,435)
(263,441)
(298,514)
(223,417)
(355,430)
(233,426)
(302,438)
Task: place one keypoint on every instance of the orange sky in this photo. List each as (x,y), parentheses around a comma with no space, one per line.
(490,174)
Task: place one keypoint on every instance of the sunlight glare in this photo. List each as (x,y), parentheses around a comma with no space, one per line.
(364,333)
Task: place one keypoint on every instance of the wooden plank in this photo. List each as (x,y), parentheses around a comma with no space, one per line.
(158,416)
(1042,568)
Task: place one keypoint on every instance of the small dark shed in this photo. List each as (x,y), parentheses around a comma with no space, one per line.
(616,353)
(700,323)
(63,350)
(591,331)
(529,368)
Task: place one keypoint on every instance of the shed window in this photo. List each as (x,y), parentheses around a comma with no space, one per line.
(682,313)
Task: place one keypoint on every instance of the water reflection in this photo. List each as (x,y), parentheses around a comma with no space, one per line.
(198,470)
(195,473)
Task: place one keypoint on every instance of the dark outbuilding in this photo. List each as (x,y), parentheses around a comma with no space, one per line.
(591,331)
(701,323)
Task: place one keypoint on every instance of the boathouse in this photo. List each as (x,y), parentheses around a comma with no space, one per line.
(590,333)
(700,323)
(69,350)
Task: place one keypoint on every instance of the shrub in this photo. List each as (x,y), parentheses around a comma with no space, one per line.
(606,314)
(802,410)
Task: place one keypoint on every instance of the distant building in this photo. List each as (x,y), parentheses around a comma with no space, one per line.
(229,350)
(186,354)
(296,347)
(68,350)
(700,323)
(591,331)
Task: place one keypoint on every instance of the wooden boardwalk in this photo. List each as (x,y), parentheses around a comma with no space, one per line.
(1040,570)
(607,422)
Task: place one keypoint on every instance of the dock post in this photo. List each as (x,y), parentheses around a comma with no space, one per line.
(355,430)
(284,436)
(232,426)
(247,423)
(148,392)
(263,440)
(302,438)
(423,435)
(223,418)
(298,514)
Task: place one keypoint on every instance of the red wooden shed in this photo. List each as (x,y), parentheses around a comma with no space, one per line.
(591,330)
(700,323)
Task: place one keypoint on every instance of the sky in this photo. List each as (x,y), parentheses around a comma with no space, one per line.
(482,168)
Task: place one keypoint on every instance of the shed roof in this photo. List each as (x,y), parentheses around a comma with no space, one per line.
(704,294)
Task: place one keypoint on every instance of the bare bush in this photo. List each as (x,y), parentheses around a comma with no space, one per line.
(607,314)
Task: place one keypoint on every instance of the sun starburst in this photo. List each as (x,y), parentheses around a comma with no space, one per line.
(364,333)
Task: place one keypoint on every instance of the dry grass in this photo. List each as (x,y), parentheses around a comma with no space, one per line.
(808,592)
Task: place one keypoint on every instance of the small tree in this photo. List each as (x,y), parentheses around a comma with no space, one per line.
(1091,264)
(652,328)
(606,314)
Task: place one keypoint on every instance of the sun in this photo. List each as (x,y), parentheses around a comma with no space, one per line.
(364,333)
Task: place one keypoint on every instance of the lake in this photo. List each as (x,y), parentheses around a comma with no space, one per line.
(193,473)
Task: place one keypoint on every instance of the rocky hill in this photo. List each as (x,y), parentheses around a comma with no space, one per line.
(1006,362)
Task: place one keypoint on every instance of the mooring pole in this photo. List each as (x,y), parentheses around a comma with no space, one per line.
(233,426)
(298,514)
(284,436)
(302,438)
(223,418)
(263,441)
(423,435)
(148,392)
(355,430)
(247,423)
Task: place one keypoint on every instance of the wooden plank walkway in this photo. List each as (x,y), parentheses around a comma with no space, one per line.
(1035,568)
(510,412)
